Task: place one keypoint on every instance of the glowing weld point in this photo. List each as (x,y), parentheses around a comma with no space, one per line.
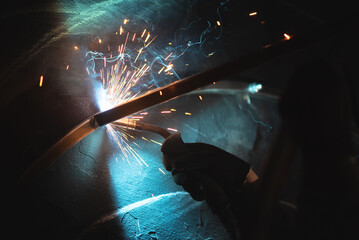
(41,80)
(162,171)
(254,87)
(286,36)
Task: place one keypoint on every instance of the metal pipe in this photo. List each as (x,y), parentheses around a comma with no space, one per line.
(202,79)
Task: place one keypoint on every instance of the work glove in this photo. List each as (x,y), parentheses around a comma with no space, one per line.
(205,171)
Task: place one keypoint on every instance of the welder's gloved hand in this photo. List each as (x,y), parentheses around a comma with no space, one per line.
(205,171)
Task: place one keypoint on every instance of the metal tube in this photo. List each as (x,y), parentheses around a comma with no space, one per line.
(191,83)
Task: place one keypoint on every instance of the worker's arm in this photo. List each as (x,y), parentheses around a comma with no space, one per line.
(208,173)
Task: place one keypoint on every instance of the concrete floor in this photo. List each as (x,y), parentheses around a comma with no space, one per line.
(108,194)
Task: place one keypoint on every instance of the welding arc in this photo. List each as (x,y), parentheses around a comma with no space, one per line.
(144,127)
(204,78)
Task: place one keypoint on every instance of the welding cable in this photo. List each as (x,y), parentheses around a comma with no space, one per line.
(133,125)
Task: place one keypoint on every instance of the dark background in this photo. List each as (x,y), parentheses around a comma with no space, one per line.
(34,118)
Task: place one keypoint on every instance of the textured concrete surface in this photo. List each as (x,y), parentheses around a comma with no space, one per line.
(109,195)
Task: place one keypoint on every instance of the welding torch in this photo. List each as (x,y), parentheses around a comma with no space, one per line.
(176,147)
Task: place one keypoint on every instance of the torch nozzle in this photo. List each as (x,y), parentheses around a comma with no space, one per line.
(134,125)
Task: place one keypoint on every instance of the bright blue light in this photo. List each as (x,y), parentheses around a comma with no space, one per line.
(102,100)
(254,87)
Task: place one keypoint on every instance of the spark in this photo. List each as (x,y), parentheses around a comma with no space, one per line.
(173,110)
(67,67)
(41,80)
(286,36)
(143,33)
(139,53)
(148,36)
(151,41)
(169,67)
(76,48)
(253,14)
(122,78)
(172,129)
(159,72)
(125,21)
(200,97)
(168,56)
(162,171)
(188,113)
(156,142)
(218,23)
(99,40)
